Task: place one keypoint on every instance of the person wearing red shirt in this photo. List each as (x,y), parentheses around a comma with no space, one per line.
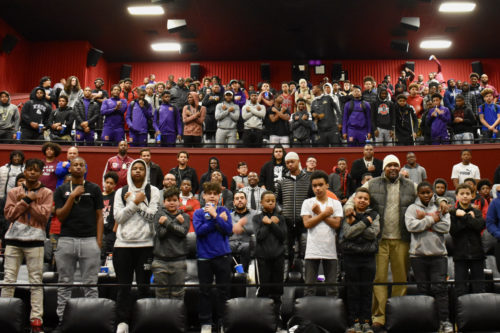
(48,178)
(119,164)
(188,201)
(415,100)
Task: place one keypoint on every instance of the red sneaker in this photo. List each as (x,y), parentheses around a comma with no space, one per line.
(36,326)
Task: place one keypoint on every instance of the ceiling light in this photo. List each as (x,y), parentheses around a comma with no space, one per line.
(457,7)
(435,44)
(146,10)
(166,47)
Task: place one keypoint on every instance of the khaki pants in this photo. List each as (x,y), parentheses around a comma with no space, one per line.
(34,261)
(395,252)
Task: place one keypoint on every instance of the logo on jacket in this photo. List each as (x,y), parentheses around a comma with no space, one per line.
(383,109)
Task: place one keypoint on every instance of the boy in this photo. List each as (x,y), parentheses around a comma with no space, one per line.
(356,124)
(321,216)
(466,227)
(428,251)
(270,230)
(301,125)
(463,122)
(108,197)
(213,226)
(438,118)
(241,180)
(61,121)
(139,114)
(441,191)
(170,246)
(406,122)
(167,122)
(489,116)
(359,245)
(478,202)
(484,186)
(189,204)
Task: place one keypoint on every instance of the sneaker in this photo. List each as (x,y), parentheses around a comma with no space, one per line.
(357,328)
(36,326)
(350,330)
(377,327)
(206,328)
(367,328)
(446,327)
(122,328)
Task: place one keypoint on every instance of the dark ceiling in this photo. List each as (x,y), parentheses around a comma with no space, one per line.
(260,29)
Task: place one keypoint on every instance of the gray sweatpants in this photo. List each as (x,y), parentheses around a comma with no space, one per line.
(225,135)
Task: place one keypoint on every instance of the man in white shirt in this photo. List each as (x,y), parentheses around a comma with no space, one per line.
(322,216)
(465,169)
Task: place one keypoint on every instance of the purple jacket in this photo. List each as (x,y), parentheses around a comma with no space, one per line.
(137,117)
(114,118)
(241,103)
(439,124)
(357,119)
(167,120)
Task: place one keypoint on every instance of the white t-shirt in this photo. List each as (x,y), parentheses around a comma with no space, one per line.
(321,238)
(462,172)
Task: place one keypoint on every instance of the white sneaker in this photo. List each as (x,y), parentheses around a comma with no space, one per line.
(122,328)
(205,329)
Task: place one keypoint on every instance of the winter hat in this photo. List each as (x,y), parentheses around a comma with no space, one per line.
(228,92)
(389,159)
(291,156)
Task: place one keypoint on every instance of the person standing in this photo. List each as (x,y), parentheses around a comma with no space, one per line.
(193,116)
(72,91)
(9,172)
(34,117)
(86,113)
(139,114)
(465,169)
(9,118)
(367,164)
(253,114)
(155,172)
(62,168)
(242,218)
(113,109)
(28,209)
(274,170)
(167,122)
(108,197)
(227,114)
(415,171)
(356,123)
(120,164)
(183,171)
(49,178)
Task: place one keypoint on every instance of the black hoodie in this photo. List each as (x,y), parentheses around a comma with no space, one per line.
(267,171)
(210,102)
(207,176)
(466,126)
(37,110)
(383,113)
(48,90)
(64,116)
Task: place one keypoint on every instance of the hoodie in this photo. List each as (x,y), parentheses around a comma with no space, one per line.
(114,117)
(272,172)
(439,124)
(448,195)
(135,222)
(9,115)
(325,105)
(253,115)
(8,174)
(225,119)
(210,101)
(427,236)
(466,126)
(137,117)
(167,120)
(193,123)
(35,110)
(206,177)
(65,116)
(383,113)
(449,96)
(301,129)
(45,90)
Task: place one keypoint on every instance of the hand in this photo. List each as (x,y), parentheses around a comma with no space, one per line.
(20,196)
(475,206)
(188,113)
(14,135)
(180,218)
(266,220)
(305,117)
(139,197)
(350,212)
(460,213)
(404,173)
(188,208)
(237,98)
(223,216)
(471,213)
(343,201)
(350,219)
(296,117)
(275,219)
(328,211)
(420,214)
(231,109)
(237,229)
(391,134)
(128,194)
(47,97)
(371,168)
(77,191)
(458,120)
(414,135)
(339,127)
(435,216)
(240,185)
(369,136)
(31,195)
(283,109)
(118,104)
(258,107)
(351,139)
(224,107)
(34,125)
(84,124)
(211,210)
(301,95)
(369,218)
(99,243)
(179,137)
(443,207)
(162,219)
(315,209)
(376,133)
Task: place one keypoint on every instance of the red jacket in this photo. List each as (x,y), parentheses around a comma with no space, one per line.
(119,165)
(196,205)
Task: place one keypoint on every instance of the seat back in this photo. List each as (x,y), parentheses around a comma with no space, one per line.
(159,315)
(95,315)
(478,312)
(327,312)
(411,314)
(11,315)
(250,315)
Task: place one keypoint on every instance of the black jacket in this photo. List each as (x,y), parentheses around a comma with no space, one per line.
(266,176)
(406,121)
(270,237)
(65,117)
(291,193)
(208,175)
(369,96)
(210,104)
(466,234)
(188,173)
(325,105)
(156,176)
(37,111)
(93,114)
(383,114)
(358,169)
(170,237)
(465,126)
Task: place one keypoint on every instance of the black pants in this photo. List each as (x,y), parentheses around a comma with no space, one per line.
(294,234)
(192,141)
(6,136)
(271,271)
(220,268)
(252,138)
(306,142)
(432,269)
(359,297)
(126,261)
(241,251)
(311,276)
(30,136)
(328,138)
(462,268)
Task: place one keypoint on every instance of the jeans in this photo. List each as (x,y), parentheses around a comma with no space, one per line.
(359,268)
(222,135)
(71,250)
(127,261)
(433,269)
(169,273)
(463,139)
(220,268)
(330,270)
(242,250)
(462,268)
(275,139)
(34,261)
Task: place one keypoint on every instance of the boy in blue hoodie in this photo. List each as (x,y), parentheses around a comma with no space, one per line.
(139,113)
(213,226)
(438,118)
(489,116)
(167,122)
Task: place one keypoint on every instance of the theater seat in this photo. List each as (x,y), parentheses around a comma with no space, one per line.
(83,315)
(478,312)
(327,312)
(411,314)
(250,315)
(12,315)
(159,315)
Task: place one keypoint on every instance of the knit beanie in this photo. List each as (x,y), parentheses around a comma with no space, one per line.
(390,159)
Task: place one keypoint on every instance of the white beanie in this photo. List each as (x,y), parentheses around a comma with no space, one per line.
(291,156)
(390,159)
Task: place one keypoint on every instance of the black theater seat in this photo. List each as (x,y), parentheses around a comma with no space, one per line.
(83,315)
(478,313)
(159,315)
(12,315)
(416,314)
(327,312)
(250,315)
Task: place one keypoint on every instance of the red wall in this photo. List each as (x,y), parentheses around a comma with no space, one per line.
(438,160)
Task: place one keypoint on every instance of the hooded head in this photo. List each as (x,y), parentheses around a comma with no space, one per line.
(132,173)
(40,89)
(196,98)
(20,157)
(383,90)
(331,88)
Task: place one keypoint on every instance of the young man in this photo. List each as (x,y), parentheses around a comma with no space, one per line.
(415,100)
(465,169)
(241,179)
(99,95)
(450,95)
(139,114)
(274,170)
(226,197)
(462,122)
(278,123)
(478,202)
(341,175)
(356,124)
(183,171)
(366,164)
(10,119)
(405,121)
(34,117)
(127,93)
(213,226)
(288,96)
(253,191)
(383,118)
(302,125)
(170,247)
(253,115)
(108,197)
(242,218)
(167,122)
(439,117)
(210,101)
(120,164)
(155,172)
(489,116)
(368,95)
(28,209)
(321,216)
(62,168)
(311,164)
(79,206)
(61,121)
(415,171)
(49,178)
(327,115)
(470,100)
(114,109)
(227,114)
(86,113)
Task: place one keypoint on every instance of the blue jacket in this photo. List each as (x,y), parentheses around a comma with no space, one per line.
(61,172)
(167,120)
(212,236)
(449,98)
(439,124)
(137,117)
(493,218)
(114,118)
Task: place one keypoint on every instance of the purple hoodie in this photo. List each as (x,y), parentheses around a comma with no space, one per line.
(357,119)
(114,118)
(241,103)
(439,124)
(169,121)
(137,117)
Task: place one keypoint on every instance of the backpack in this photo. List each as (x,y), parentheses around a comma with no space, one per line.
(351,107)
(147,191)
(151,129)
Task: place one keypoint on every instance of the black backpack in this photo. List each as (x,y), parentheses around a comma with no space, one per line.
(147,191)
(351,107)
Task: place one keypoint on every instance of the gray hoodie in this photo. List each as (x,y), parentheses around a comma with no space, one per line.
(252,116)
(9,115)
(427,236)
(226,119)
(135,222)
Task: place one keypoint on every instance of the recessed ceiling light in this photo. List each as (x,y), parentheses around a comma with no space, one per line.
(457,7)
(146,10)
(166,47)
(435,44)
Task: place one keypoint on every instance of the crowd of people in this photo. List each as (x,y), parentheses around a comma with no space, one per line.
(355,221)
(210,113)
